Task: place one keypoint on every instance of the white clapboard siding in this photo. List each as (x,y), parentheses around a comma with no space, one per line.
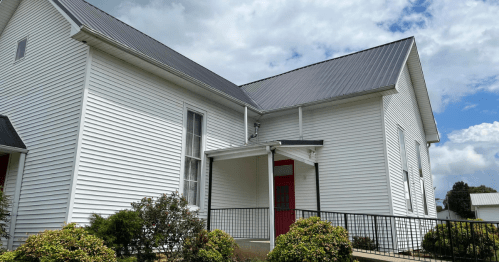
(42,96)
(402,110)
(351,162)
(132,137)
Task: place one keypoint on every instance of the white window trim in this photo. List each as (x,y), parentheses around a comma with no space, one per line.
(25,50)
(201,182)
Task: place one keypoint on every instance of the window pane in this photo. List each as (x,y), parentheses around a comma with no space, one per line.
(425,205)
(193,193)
(197,124)
(187,166)
(196,147)
(402,150)
(21,48)
(190,121)
(188,144)
(194,170)
(186,190)
(284,170)
(407,190)
(418,153)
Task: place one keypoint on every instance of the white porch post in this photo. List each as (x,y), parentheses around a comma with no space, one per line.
(245,125)
(300,122)
(15,206)
(270,155)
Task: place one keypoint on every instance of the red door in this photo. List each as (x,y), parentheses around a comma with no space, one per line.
(4,161)
(284,195)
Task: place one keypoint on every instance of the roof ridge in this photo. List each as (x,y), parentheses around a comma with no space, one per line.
(328,60)
(152,38)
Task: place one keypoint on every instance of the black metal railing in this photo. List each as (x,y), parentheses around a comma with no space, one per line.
(400,236)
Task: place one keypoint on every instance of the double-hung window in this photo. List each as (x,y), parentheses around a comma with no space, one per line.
(193,148)
(405,172)
(421,178)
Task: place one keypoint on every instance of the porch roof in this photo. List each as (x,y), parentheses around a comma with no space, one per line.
(301,150)
(9,139)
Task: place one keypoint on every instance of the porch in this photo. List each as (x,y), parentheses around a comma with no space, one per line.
(243,182)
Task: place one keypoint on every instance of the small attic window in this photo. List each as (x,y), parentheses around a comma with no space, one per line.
(21,48)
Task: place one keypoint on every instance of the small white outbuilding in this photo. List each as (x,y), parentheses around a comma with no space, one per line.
(486,206)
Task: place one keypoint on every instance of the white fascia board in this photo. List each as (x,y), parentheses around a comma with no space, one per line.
(10,149)
(74,27)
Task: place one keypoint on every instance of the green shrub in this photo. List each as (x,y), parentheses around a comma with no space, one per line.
(4,216)
(365,243)
(71,243)
(486,240)
(214,246)
(8,256)
(118,231)
(167,222)
(312,240)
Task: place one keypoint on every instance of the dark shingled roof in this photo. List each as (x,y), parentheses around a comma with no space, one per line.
(83,13)
(8,135)
(364,71)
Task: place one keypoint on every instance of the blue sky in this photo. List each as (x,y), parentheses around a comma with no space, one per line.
(457,42)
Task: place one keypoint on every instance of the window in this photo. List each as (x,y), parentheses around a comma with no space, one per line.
(425,205)
(420,168)
(21,49)
(192,166)
(405,172)
(418,152)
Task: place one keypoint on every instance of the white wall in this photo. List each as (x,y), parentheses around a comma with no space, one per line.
(42,97)
(488,213)
(351,162)
(132,136)
(402,110)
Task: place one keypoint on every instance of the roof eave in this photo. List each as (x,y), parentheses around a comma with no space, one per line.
(105,39)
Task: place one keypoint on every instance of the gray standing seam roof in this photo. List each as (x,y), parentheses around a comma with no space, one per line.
(366,71)
(83,13)
(363,71)
(8,135)
(484,199)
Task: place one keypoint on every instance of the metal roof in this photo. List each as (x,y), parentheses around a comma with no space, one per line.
(8,135)
(484,199)
(83,13)
(375,68)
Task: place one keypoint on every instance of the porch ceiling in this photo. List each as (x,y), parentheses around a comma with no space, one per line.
(300,150)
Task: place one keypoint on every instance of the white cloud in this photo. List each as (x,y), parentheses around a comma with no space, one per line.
(468,151)
(247,40)
(469,107)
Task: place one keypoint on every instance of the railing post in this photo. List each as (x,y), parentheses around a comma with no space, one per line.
(376,231)
(346,222)
(450,240)
(473,237)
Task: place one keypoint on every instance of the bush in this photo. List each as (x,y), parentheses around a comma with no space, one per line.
(118,231)
(312,240)
(167,222)
(8,256)
(486,240)
(68,244)
(215,246)
(4,216)
(365,243)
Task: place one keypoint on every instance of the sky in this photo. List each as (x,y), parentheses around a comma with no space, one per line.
(458,43)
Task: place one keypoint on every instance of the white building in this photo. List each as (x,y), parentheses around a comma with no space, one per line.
(106,115)
(485,206)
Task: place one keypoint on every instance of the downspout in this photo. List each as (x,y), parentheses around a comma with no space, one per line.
(245,125)
(300,122)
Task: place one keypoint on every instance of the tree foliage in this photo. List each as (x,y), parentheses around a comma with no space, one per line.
(481,189)
(4,215)
(458,200)
(118,231)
